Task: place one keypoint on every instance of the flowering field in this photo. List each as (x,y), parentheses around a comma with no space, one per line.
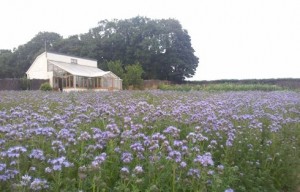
(149,141)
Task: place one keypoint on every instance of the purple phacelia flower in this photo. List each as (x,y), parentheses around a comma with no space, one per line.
(58,145)
(205,159)
(154,147)
(126,157)
(66,133)
(127,119)
(11,173)
(25,180)
(174,155)
(177,143)
(117,150)
(138,169)
(37,154)
(140,156)
(84,136)
(137,147)
(48,170)
(125,170)
(194,173)
(59,162)
(39,184)
(2,141)
(113,128)
(158,136)
(2,167)
(56,167)
(229,142)
(98,160)
(210,172)
(220,167)
(183,164)
(17,149)
(172,131)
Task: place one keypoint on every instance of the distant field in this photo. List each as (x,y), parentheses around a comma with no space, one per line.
(235,85)
(220,87)
(286,83)
(150,141)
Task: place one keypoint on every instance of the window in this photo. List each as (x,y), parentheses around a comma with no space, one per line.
(98,82)
(74,61)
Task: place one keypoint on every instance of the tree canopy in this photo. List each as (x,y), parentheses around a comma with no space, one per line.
(162,47)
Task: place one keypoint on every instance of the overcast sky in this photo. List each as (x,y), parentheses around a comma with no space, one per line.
(234,39)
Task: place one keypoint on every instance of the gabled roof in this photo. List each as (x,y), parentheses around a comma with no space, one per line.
(70,55)
(80,70)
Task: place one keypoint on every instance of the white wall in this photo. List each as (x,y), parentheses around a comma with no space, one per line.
(67,59)
(50,77)
(38,69)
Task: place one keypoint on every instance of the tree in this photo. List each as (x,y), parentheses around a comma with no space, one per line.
(133,75)
(162,47)
(116,68)
(5,57)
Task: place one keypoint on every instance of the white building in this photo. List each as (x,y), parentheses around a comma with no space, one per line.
(72,73)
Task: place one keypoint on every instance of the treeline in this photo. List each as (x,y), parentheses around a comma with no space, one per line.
(290,83)
(162,48)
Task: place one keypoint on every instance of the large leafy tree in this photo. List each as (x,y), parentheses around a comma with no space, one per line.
(162,47)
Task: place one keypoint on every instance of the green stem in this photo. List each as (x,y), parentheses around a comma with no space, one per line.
(174,178)
(94,185)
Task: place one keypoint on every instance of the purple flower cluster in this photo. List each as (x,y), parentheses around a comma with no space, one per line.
(98,160)
(126,157)
(39,184)
(58,163)
(205,160)
(37,154)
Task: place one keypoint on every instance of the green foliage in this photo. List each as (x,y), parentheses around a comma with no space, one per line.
(221,87)
(133,76)
(162,47)
(25,83)
(5,63)
(116,68)
(46,87)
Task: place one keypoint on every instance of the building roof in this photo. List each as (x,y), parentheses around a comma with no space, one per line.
(70,55)
(80,70)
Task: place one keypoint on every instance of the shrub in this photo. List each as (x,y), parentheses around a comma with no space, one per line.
(25,83)
(45,87)
(133,76)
